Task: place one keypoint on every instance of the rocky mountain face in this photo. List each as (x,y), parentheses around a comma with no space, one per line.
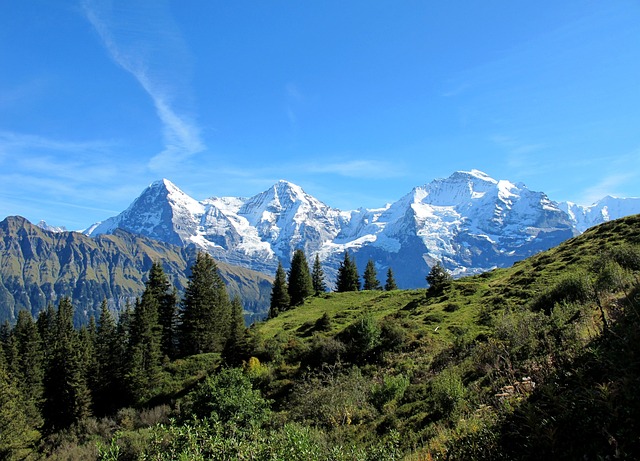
(469,221)
(38,267)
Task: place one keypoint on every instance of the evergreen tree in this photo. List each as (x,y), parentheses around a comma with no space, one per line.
(206,309)
(348,278)
(236,344)
(300,284)
(67,398)
(317,277)
(143,370)
(438,278)
(371,281)
(390,284)
(166,296)
(107,382)
(30,365)
(17,436)
(280,300)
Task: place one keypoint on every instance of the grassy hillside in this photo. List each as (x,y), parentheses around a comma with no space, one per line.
(537,361)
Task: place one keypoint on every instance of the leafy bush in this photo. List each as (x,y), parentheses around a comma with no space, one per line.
(390,391)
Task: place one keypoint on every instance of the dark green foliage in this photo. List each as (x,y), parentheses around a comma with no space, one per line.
(317,277)
(300,285)
(30,365)
(235,349)
(280,300)
(438,278)
(107,383)
(362,339)
(390,284)
(370,277)
(206,309)
(229,397)
(167,299)
(17,437)
(143,368)
(66,393)
(574,287)
(348,278)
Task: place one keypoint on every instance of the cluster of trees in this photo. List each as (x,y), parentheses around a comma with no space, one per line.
(292,288)
(53,375)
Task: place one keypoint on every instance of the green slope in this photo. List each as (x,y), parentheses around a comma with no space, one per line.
(38,267)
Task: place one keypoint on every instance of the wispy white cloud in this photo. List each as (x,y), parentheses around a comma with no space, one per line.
(137,36)
(609,185)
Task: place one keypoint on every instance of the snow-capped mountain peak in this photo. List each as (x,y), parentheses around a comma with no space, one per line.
(469,221)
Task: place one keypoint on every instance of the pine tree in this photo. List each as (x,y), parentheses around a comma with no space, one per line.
(236,344)
(348,278)
(30,365)
(438,278)
(300,283)
(371,281)
(280,300)
(67,398)
(17,436)
(317,277)
(143,370)
(206,309)
(390,284)
(107,383)
(166,297)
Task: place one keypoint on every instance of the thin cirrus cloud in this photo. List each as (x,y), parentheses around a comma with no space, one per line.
(373,169)
(143,39)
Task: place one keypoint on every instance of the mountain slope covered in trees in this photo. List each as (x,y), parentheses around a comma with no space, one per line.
(535,361)
(38,268)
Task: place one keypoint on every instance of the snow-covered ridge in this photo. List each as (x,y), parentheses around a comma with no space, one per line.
(469,221)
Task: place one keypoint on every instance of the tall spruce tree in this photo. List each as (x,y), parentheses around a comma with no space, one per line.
(17,436)
(348,278)
(107,385)
(300,283)
(438,278)
(390,284)
(317,277)
(143,370)
(371,281)
(67,398)
(234,348)
(167,299)
(30,365)
(280,300)
(206,309)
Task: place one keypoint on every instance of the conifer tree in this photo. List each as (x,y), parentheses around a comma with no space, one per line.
(348,278)
(206,309)
(390,284)
(143,370)
(280,300)
(371,281)
(106,384)
(438,278)
(236,344)
(300,283)
(67,398)
(17,436)
(166,297)
(30,365)
(317,277)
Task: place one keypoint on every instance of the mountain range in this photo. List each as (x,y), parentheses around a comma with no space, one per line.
(38,267)
(469,222)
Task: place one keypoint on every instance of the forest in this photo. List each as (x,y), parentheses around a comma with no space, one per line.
(540,360)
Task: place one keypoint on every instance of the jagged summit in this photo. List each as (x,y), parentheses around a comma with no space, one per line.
(469,221)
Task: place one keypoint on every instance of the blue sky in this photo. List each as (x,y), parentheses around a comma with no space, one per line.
(356,101)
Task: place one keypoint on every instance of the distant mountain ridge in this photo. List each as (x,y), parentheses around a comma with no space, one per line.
(38,267)
(469,221)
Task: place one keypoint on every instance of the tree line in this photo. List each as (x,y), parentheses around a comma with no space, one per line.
(290,289)
(53,375)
